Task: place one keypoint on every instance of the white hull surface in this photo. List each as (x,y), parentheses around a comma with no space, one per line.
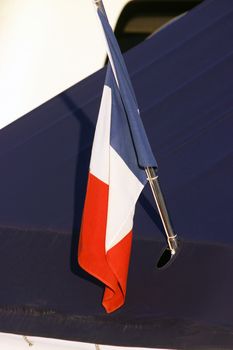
(19,342)
(47,46)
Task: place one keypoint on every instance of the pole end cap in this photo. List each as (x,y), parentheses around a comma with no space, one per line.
(168,255)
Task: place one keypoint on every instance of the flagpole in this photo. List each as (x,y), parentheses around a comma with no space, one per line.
(100,5)
(172,241)
(152,178)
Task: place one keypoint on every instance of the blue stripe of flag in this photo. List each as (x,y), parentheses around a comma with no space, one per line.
(143,152)
(120,135)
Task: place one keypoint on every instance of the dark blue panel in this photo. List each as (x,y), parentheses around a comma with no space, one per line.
(183,83)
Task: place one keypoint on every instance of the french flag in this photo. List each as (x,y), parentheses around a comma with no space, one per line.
(120,154)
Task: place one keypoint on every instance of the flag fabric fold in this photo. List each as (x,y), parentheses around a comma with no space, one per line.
(116,179)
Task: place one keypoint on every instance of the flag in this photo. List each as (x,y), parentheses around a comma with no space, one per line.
(120,153)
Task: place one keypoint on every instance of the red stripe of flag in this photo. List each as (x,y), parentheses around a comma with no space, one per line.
(111,267)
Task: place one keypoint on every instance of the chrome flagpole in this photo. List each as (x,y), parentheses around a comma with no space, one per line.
(172,240)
